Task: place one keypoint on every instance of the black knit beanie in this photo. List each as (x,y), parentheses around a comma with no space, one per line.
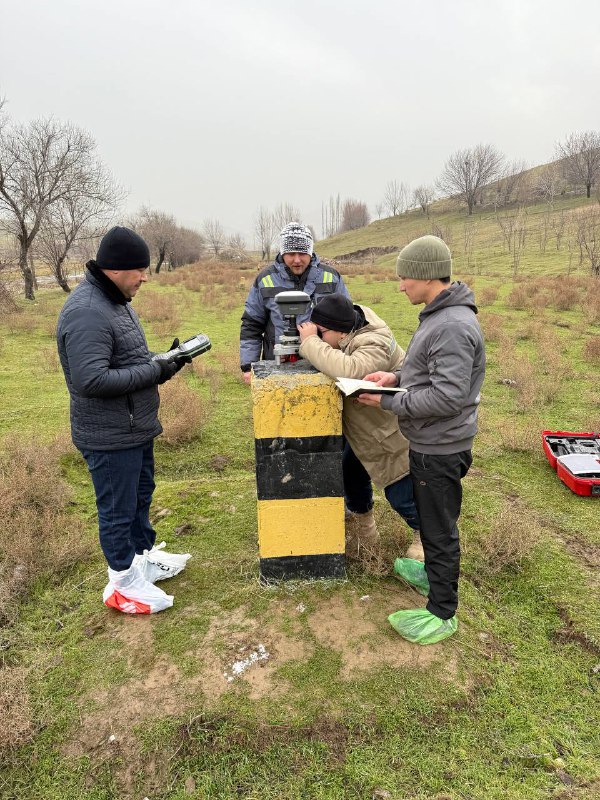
(334,312)
(122,248)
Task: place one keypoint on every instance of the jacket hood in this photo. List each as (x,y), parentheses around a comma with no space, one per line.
(457,294)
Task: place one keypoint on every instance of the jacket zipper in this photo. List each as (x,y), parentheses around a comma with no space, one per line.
(130,407)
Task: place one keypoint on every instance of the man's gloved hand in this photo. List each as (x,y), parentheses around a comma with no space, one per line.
(167,369)
(182,360)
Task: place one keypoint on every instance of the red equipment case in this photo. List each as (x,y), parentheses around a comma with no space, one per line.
(576,459)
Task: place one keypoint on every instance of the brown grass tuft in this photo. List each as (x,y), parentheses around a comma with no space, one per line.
(487,296)
(591,349)
(38,537)
(154,307)
(512,537)
(16,726)
(183,413)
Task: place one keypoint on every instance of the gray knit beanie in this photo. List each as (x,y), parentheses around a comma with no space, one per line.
(426,258)
(295,238)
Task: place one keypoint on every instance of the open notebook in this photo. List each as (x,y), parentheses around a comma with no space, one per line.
(352,388)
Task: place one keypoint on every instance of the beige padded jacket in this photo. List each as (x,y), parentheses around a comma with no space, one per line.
(373,433)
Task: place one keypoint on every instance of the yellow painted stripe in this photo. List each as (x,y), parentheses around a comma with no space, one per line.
(301,527)
(296,405)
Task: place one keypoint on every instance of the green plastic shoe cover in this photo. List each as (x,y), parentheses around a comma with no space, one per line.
(413,572)
(421,627)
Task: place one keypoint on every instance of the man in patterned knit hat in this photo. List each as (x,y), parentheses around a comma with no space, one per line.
(296,267)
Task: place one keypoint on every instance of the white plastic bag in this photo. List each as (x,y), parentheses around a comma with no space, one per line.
(128,591)
(157,564)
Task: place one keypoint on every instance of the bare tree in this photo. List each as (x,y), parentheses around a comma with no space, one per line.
(284,213)
(470,232)
(355,214)
(264,230)
(588,238)
(511,182)
(331,216)
(395,197)
(41,164)
(581,158)
(159,231)
(84,213)
(186,247)
(423,197)
(467,171)
(379,209)
(548,183)
(214,235)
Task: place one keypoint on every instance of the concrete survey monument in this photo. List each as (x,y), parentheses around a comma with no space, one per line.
(297,414)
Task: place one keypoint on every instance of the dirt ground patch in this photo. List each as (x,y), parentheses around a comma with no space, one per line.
(237,652)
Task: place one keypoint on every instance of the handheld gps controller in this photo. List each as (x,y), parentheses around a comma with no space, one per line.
(192,347)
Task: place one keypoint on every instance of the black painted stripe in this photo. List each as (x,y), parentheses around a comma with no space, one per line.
(299,467)
(328,565)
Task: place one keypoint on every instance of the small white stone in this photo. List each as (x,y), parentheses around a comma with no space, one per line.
(365,597)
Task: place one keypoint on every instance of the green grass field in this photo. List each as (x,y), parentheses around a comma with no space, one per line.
(99,705)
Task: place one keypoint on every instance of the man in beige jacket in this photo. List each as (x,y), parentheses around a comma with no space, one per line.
(344,340)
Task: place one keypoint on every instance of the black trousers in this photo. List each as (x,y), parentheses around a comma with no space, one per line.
(438,494)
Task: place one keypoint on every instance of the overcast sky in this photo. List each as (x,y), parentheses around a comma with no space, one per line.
(212,109)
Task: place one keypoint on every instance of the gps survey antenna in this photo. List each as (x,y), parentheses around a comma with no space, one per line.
(291,304)
(192,347)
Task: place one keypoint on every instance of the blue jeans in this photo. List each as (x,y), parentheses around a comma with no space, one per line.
(124,483)
(358,490)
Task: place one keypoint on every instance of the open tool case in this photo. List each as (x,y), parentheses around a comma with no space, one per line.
(576,459)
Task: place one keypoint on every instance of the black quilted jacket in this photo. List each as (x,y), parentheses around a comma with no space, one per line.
(107,366)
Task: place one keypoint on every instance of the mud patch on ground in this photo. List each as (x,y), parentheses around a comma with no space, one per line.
(231,641)
(357,629)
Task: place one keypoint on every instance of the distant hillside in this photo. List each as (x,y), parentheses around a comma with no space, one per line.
(527,235)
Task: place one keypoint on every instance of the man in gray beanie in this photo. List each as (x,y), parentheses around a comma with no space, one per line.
(442,373)
(297,267)
(112,382)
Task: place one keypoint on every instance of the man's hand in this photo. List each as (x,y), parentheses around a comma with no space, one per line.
(369,399)
(180,361)
(307,329)
(247,377)
(381,379)
(167,369)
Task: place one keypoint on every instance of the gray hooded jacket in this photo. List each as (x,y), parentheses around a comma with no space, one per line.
(443,371)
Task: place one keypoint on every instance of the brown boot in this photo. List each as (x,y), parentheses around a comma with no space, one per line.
(416,548)
(362,536)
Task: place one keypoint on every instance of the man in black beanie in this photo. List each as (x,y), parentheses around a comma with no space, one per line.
(112,382)
(344,340)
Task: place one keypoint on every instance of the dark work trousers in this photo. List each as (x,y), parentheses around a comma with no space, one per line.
(438,492)
(358,490)
(124,483)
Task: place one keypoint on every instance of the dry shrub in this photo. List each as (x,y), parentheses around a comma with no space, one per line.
(493,326)
(37,535)
(566,298)
(591,349)
(7,301)
(20,322)
(521,437)
(591,308)
(518,297)
(48,360)
(16,719)
(155,307)
(513,535)
(487,296)
(520,370)
(183,413)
